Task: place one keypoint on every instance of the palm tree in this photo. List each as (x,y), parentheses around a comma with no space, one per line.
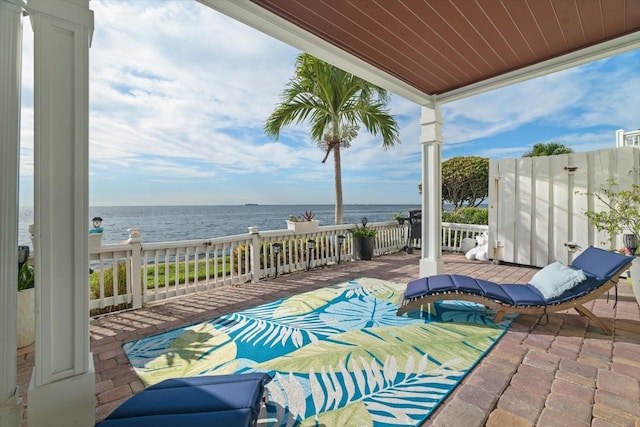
(334,102)
(547,149)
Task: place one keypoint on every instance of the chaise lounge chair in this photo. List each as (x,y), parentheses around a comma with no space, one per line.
(601,269)
(219,400)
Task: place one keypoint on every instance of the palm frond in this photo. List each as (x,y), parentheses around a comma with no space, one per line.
(333,102)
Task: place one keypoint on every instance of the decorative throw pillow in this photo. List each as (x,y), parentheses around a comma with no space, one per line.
(555,279)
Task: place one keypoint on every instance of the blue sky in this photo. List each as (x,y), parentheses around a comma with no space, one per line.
(179,94)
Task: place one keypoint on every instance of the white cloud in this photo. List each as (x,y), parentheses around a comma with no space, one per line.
(178,80)
(508,108)
(179,93)
(577,98)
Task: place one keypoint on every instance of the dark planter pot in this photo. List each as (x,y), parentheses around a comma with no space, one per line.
(363,247)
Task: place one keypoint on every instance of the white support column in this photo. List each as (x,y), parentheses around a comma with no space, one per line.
(431,139)
(63,385)
(10,78)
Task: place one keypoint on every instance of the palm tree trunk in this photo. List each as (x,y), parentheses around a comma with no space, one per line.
(339,215)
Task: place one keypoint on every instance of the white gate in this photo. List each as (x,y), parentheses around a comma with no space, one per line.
(537,205)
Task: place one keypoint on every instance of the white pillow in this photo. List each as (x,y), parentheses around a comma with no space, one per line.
(556,278)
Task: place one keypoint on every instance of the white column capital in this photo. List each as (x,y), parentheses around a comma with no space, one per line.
(431,114)
(71,11)
(431,125)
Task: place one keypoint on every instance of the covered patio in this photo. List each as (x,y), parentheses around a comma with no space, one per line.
(462,49)
(564,373)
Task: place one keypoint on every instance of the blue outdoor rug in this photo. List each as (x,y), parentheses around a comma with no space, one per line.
(339,355)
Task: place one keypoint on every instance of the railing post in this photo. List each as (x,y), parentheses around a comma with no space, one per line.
(255,254)
(135,240)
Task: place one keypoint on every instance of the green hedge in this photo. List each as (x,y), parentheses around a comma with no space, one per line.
(479,216)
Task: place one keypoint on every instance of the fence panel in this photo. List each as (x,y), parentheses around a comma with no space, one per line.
(170,269)
(537,205)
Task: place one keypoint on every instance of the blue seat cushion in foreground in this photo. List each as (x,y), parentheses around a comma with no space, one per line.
(222,400)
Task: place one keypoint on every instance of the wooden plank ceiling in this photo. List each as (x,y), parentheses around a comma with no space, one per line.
(440,45)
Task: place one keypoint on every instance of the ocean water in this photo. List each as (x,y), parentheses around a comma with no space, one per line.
(169,223)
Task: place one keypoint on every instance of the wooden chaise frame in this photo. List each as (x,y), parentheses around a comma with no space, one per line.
(502,308)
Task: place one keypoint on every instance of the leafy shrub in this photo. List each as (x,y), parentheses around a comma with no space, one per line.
(547,149)
(292,249)
(94,281)
(478,216)
(363,232)
(622,213)
(26,279)
(465,181)
(306,216)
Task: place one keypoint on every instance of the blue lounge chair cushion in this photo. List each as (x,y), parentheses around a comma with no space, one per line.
(224,400)
(598,266)
(599,262)
(524,295)
(601,271)
(556,278)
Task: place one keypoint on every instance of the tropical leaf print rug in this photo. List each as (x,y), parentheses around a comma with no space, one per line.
(339,356)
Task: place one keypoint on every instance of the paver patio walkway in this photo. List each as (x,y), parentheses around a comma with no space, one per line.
(566,373)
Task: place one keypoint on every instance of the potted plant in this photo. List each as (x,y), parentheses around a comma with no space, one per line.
(26,306)
(363,241)
(400,217)
(303,224)
(621,217)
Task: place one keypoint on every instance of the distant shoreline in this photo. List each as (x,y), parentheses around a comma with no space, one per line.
(183,222)
(416,205)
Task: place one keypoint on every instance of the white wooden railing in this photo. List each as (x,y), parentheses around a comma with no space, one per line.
(453,234)
(132,273)
(627,139)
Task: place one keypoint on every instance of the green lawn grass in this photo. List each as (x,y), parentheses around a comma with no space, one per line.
(169,278)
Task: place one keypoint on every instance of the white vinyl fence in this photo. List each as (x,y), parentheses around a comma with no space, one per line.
(132,273)
(537,204)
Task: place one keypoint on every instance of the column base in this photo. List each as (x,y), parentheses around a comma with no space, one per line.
(64,403)
(431,267)
(11,411)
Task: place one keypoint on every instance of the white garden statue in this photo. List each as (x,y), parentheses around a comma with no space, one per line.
(481,251)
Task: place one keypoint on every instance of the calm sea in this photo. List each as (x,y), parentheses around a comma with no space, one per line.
(168,223)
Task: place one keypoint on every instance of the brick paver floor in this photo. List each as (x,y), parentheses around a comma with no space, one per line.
(565,373)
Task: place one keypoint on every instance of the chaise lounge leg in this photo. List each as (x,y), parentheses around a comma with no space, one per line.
(595,319)
(499,315)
